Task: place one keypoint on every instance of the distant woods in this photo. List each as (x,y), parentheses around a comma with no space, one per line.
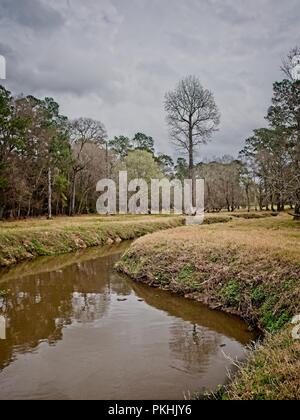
(272,155)
(50,165)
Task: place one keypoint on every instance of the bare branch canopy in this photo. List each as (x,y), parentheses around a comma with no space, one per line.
(192,113)
(192,117)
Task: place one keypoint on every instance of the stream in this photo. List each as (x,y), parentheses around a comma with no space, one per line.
(73,328)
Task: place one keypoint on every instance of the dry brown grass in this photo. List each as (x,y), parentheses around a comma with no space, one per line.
(279,237)
(28,239)
(202,261)
(65,222)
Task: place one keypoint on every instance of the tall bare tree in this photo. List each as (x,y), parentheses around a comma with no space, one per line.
(192,116)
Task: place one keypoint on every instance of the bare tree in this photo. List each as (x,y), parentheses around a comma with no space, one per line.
(287,64)
(223,183)
(94,160)
(83,132)
(192,116)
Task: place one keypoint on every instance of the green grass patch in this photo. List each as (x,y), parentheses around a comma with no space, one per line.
(231,293)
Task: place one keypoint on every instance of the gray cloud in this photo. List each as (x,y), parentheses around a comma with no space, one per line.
(114,59)
(34,14)
(5,50)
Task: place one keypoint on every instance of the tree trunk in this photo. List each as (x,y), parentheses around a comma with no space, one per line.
(49,193)
(29,208)
(73,198)
(248,198)
(106,160)
(297,167)
(297,212)
(279,207)
(191,163)
(228,204)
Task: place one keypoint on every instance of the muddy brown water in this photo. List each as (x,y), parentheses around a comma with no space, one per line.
(75,329)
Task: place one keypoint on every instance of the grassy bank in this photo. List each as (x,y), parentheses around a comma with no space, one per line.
(271,373)
(28,239)
(247,267)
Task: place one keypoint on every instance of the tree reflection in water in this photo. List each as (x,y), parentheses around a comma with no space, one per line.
(38,307)
(192,347)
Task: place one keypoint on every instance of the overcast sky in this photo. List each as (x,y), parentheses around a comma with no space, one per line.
(113,60)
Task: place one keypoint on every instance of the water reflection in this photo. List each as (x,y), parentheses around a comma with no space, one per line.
(37,307)
(111,344)
(193,347)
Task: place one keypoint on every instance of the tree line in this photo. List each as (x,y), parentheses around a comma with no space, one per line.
(50,165)
(272,154)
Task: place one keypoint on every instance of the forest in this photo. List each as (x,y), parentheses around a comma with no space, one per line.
(49,165)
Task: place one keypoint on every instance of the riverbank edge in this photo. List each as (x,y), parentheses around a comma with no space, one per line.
(270,372)
(21,245)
